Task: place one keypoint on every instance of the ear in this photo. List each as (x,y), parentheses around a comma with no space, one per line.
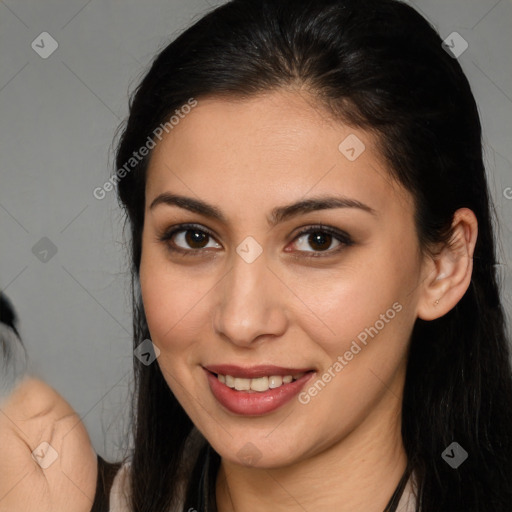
(448,273)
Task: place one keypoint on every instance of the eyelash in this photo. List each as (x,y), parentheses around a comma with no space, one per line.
(340,236)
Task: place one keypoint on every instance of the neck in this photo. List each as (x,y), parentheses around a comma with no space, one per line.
(359,473)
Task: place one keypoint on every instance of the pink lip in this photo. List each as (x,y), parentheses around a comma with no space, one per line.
(253,372)
(255,403)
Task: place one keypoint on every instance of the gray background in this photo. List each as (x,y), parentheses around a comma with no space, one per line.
(58,118)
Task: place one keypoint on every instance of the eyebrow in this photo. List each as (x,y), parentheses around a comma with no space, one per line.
(278,214)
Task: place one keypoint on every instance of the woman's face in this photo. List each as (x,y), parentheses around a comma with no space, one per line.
(245,294)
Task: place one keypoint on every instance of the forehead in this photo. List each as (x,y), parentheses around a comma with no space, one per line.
(270,148)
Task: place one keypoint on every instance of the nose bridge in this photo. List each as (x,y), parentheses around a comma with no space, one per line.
(248,304)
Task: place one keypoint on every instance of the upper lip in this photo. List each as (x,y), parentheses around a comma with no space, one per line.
(253,372)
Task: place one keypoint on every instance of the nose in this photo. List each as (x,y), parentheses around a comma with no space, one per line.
(250,306)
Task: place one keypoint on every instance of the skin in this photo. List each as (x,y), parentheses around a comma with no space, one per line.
(32,414)
(343,450)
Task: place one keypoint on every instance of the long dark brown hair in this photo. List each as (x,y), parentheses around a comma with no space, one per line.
(377,65)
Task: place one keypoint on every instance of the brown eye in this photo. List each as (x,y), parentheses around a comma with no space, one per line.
(320,239)
(187,239)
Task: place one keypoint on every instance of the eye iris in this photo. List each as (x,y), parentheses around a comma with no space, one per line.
(197,238)
(320,238)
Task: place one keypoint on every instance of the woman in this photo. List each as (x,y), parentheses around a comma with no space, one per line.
(298,100)
(317,322)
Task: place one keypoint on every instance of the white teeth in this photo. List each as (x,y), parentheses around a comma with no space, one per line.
(242,384)
(275,381)
(258,384)
(230,381)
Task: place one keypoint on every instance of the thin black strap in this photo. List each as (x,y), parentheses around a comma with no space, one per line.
(203,483)
(395,498)
(200,494)
(207,498)
(206,484)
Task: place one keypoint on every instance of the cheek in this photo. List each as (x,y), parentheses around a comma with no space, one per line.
(174,305)
(369,297)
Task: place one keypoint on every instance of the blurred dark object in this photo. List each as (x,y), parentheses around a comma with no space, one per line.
(7,314)
(13,356)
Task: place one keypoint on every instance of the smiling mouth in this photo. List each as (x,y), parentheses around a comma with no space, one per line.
(259,384)
(256,390)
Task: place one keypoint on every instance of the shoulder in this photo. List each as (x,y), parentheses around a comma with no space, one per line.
(47,457)
(408,499)
(36,410)
(119,493)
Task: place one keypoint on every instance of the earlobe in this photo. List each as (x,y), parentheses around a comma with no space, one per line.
(450,276)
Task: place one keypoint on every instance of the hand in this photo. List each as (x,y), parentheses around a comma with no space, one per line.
(61,476)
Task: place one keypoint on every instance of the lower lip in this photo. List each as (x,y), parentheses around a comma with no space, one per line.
(255,403)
